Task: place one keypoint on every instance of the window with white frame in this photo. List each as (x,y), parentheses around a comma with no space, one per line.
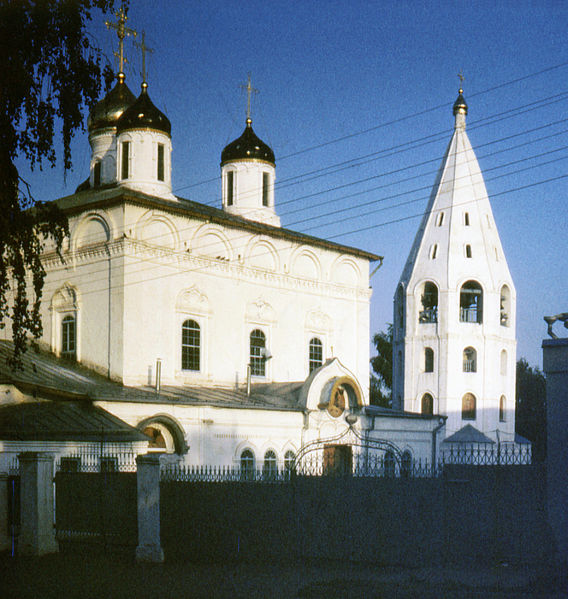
(257,353)
(69,337)
(190,345)
(247,465)
(315,353)
(270,466)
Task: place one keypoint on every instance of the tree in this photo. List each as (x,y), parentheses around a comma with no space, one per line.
(381,384)
(530,407)
(49,72)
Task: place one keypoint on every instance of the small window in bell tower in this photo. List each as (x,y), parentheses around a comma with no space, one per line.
(160,162)
(125,170)
(97,174)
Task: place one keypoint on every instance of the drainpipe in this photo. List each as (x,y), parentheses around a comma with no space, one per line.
(248,379)
(158,374)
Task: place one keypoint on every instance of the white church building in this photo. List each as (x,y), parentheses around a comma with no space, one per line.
(220,338)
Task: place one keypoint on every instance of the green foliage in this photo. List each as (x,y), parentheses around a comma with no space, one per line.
(530,409)
(381,379)
(50,72)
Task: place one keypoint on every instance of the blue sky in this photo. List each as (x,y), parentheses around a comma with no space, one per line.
(351,91)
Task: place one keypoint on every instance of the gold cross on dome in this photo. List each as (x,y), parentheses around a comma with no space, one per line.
(250,90)
(462,78)
(144,48)
(122,31)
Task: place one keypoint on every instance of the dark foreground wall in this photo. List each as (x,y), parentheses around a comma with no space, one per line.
(488,514)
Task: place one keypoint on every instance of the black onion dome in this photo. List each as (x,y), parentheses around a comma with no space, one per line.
(247,146)
(459,104)
(144,115)
(108,110)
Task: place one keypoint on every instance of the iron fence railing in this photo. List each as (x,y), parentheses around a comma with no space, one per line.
(482,454)
(97,462)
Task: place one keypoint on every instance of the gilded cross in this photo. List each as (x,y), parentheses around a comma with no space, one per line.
(461,76)
(250,90)
(144,48)
(122,31)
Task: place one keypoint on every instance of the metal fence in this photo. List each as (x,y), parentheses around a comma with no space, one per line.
(484,454)
(97,462)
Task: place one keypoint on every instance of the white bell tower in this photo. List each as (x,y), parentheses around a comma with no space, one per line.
(454,341)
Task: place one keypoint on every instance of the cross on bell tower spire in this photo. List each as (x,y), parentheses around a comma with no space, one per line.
(122,31)
(250,90)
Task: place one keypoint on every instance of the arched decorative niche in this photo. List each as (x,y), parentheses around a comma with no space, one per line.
(305,264)
(211,241)
(92,229)
(262,254)
(157,230)
(346,271)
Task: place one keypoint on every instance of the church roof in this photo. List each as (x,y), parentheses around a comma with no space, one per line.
(99,198)
(143,114)
(108,110)
(468,434)
(65,383)
(45,420)
(247,147)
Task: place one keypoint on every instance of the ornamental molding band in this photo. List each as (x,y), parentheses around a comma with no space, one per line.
(316,320)
(550,320)
(260,311)
(193,301)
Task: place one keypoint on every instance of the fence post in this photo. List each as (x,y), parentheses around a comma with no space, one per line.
(37,535)
(149,548)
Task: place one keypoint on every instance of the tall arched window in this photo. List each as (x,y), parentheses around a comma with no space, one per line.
(502,409)
(400,306)
(190,345)
(427,404)
(69,337)
(429,300)
(468,407)
(257,359)
(503,362)
(469,360)
(315,353)
(428,359)
(270,467)
(247,465)
(289,459)
(97,174)
(505,307)
(471,302)
(389,464)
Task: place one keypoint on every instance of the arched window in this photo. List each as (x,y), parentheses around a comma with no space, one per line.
(400,306)
(265,184)
(69,337)
(471,302)
(257,359)
(466,219)
(230,187)
(160,164)
(503,362)
(125,165)
(428,359)
(468,407)
(390,464)
(469,360)
(505,310)
(468,251)
(406,465)
(440,220)
(190,345)
(434,251)
(502,409)
(429,300)
(247,465)
(289,459)
(316,353)
(427,404)
(270,468)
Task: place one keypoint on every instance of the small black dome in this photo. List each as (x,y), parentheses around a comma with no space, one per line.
(144,115)
(108,110)
(459,104)
(248,145)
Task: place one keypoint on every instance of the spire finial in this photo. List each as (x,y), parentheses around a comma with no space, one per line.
(122,31)
(462,78)
(250,90)
(144,48)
